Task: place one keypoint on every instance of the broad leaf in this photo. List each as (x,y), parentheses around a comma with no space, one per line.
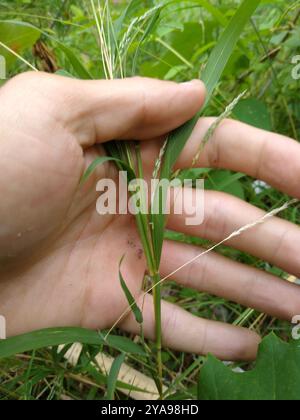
(18,36)
(253,112)
(275,377)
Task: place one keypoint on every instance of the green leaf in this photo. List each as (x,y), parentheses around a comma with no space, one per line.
(215,12)
(275,377)
(103,159)
(124,344)
(223,50)
(77,65)
(113,376)
(222,180)
(56,336)
(18,36)
(253,112)
(211,76)
(148,30)
(80,70)
(64,73)
(128,12)
(130,299)
(94,165)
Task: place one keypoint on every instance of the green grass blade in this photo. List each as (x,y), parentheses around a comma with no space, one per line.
(148,31)
(64,73)
(223,50)
(79,68)
(129,11)
(211,76)
(94,165)
(113,376)
(57,336)
(103,159)
(213,10)
(130,299)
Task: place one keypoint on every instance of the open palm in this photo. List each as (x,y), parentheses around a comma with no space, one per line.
(59,257)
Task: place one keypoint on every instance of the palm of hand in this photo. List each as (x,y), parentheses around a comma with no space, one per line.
(69,270)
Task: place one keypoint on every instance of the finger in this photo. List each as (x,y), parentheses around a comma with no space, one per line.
(276,241)
(267,156)
(131,109)
(183,331)
(220,276)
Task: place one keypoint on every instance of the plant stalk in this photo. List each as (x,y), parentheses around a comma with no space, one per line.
(158,331)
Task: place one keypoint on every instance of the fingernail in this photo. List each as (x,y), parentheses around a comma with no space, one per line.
(192,84)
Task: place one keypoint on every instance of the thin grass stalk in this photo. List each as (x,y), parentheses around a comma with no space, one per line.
(18,56)
(158,329)
(155,278)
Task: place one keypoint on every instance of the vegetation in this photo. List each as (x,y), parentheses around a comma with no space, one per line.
(234,47)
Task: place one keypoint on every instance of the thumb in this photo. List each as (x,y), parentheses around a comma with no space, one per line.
(137,108)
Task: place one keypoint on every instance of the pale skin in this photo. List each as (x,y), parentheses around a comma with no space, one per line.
(59,258)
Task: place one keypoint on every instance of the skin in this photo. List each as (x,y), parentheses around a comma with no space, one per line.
(59,258)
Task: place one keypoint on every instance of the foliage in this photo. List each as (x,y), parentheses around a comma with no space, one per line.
(275,377)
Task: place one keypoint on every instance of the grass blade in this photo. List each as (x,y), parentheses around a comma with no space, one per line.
(211,76)
(134,307)
(131,9)
(103,159)
(94,165)
(223,50)
(57,336)
(113,376)
(77,65)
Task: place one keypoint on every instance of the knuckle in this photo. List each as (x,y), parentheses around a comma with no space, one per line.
(242,352)
(24,79)
(170,324)
(215,145)
(214,223)
(141,116)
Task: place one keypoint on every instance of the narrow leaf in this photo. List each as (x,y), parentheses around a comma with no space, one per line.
(211,76)
(79,68)
(133,306)
(94,165)
(223,50)
(113,376)
(57,336)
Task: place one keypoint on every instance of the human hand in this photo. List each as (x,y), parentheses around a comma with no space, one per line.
(59,258)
